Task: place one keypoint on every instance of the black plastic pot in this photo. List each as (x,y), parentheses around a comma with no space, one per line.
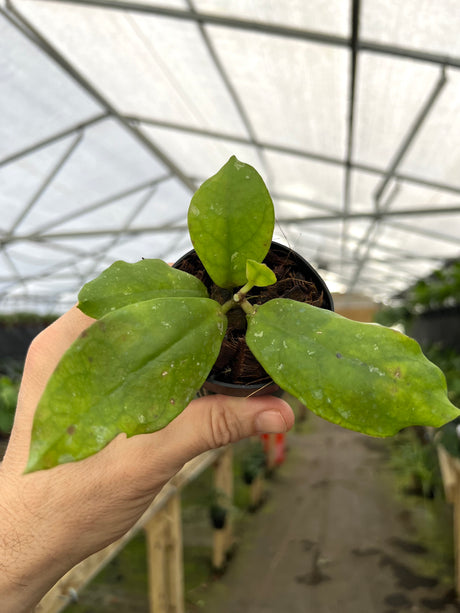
(309,274)
(218,516)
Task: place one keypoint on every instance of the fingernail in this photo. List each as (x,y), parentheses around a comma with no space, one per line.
(270,422)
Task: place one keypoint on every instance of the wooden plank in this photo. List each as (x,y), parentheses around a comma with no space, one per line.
(165,560)
(155,530)
(457,536)
(270,451)
(175,559)
(256,491)
(448,473)
(219,549)
(223,484)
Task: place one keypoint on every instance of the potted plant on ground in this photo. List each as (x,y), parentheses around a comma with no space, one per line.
(157,328)
(219,508)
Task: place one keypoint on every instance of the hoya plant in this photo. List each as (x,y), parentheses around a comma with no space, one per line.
(158,334)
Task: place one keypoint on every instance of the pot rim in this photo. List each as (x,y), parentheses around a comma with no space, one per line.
(269,387)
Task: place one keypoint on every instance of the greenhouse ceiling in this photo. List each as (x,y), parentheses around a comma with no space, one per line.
(113,113)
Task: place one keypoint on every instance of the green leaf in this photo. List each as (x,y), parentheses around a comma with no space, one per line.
(8,400)
(132,371)
(122,284)
(361,376)
(231,219)
(258,274)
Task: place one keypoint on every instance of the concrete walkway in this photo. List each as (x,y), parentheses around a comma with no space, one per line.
(331,539)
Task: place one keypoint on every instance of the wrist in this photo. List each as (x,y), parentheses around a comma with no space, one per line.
(29,565)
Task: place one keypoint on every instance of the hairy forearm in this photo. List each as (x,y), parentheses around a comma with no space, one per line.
(29,561)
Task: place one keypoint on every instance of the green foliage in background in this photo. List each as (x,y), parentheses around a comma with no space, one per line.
(8,401)
(448,360)
(414,459)
(441,289)
(25,318)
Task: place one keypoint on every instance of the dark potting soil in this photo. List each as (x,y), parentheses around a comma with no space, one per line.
(235,363)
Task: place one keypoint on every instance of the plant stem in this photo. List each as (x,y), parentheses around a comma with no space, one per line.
(240,299)
(228,305)
(244,290)
(247,307)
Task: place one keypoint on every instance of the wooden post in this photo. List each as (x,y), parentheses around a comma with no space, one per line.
(271,452)
(165,564)
(457,536)
(223,484)
(448,473)
(453,490)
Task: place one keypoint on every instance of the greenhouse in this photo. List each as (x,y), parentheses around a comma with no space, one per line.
(126,128)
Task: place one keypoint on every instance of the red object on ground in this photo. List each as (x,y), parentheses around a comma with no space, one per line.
(275,444)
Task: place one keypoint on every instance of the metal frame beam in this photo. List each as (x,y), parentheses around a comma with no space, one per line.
(45,183)
(19,20)
(335,236)
(411,134)
(272,147)
(231,90)
(370,238)
(355,17)
(340,215)
(267,28)
(334,217)
(118,234)
(99,204)
(53,139)
(442,210)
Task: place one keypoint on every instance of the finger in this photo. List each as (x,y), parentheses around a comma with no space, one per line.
(214,421)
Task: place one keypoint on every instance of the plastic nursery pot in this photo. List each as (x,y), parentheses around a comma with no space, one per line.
(249,475)
(236,371)
(218,516)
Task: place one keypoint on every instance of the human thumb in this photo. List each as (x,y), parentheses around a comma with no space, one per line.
(214,421)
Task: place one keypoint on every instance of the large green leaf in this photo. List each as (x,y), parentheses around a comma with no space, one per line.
(124,283)
(132,371)
(362,376)
(231,219)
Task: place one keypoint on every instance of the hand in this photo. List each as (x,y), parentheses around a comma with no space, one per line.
(50,520)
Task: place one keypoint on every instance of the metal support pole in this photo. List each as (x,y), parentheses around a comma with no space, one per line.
(49,178)
(409,138)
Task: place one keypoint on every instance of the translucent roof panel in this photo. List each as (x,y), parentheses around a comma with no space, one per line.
(412,24)
(114,112)
(390,93)
(308,179)
(167,56)
(401,195)
(438,135)
(105,158)
(198,155)
(28,77)
(299,96)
